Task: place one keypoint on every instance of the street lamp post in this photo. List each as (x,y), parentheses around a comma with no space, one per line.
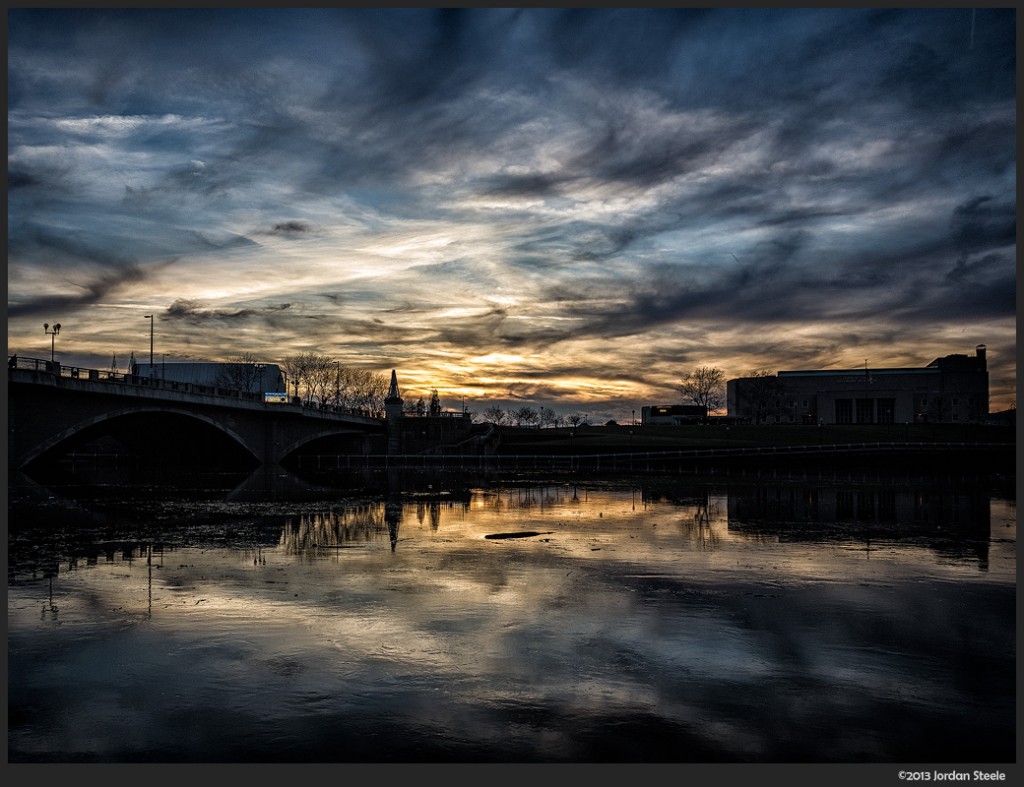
(51,333)
(150,318)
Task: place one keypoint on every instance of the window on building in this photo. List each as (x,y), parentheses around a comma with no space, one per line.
(865,411)
(886,413)
(844,411)
(956,402)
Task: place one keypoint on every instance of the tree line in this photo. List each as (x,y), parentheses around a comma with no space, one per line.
(527,415)
(323,380)
(316,380)
(326,381)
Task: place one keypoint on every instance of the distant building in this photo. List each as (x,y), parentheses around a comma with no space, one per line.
(251,377)
(672,414)
(951,389)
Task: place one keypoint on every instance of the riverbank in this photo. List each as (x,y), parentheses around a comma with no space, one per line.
(639,439)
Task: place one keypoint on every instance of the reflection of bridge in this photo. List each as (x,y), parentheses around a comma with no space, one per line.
(53,409)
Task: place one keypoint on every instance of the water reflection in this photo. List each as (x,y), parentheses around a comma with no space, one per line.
(653,620)
(351,527)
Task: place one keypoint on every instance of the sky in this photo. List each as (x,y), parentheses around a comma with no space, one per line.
(569,208)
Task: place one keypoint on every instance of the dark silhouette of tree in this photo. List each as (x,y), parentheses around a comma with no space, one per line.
(243,373)
(435,403)
(360,389)
(760,392)
(295,366)
(495,415)
(704,386)
(323,379)
(525,415)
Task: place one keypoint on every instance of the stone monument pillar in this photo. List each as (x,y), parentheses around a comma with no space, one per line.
(393,416)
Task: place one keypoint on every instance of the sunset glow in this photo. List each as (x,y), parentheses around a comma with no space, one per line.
(568,208)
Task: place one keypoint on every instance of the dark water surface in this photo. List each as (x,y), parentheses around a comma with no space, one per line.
(655,620)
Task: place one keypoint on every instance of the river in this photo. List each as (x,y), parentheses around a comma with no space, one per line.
(670,619)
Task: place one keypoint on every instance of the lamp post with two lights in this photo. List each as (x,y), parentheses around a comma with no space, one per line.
(52,334)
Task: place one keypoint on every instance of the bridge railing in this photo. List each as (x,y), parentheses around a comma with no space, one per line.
(56,368)
(134,380)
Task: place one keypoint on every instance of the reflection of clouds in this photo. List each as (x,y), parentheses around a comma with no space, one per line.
(591,533)
(665,533)
(736,643)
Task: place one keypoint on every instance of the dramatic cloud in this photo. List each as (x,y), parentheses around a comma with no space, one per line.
(569,207)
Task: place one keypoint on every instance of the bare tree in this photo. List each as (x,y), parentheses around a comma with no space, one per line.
(525,415)
(574,419)
(371,393)
(704,386)
(321,376)
(360,389)
(760,392)
(243,373)
(495,415)
(312,374)
(547,417)
(435,403)
(294,366)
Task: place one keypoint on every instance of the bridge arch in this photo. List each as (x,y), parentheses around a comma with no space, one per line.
(52,413)
(296,445)
(67,434)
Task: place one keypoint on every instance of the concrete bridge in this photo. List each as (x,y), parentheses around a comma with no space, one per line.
(53,409)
